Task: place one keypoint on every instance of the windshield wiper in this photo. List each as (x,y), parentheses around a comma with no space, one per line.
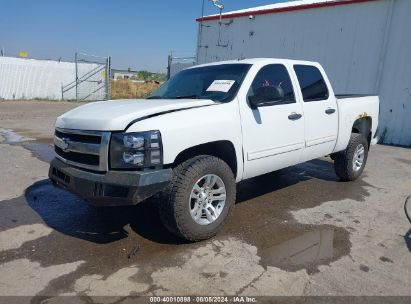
(176,97)
(187,97)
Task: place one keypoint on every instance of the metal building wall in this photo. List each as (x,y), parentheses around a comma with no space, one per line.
(395,84)
(30,78)
(364,47)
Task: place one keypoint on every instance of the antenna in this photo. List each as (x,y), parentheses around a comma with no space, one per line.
(219,5)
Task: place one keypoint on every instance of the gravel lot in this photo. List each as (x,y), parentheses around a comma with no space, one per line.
(298,231)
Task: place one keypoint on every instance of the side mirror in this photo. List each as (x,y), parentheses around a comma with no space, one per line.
(266,96)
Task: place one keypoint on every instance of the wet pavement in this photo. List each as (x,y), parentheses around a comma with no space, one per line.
(298,231)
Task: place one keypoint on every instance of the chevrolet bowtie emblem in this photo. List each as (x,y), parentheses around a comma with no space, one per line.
(65,144)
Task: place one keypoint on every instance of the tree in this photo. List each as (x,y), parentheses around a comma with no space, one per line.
(145,75)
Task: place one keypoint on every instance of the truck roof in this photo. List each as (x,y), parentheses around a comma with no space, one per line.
(257,61)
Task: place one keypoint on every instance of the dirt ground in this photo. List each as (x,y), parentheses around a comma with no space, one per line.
(33,118)
(298,231)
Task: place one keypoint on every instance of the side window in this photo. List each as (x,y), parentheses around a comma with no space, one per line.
(312,83)
(276,77)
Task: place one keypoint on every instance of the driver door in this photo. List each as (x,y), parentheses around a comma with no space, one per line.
(273,134)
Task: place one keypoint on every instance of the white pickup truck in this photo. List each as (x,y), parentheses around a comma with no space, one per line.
(206,129)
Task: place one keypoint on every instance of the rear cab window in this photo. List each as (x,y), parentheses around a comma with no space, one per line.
(312,83)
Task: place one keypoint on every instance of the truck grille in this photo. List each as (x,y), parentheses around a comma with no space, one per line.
(85,149)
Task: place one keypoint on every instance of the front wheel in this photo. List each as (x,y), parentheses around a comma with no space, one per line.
(350,163)
(199,198)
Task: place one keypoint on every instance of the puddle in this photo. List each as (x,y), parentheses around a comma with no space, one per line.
(10,137)
(40,147)
(263,216)
(41,151)
(30,135)
(289,245)
(104,237)
(307,250)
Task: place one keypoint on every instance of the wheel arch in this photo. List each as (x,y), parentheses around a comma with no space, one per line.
(223,149)
(363,126)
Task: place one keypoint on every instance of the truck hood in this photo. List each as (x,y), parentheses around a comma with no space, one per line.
(116,115)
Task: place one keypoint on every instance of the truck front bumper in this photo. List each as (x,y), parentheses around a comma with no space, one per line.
(112,188)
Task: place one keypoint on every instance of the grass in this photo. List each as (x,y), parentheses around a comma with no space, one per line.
(120,89)
(127,89)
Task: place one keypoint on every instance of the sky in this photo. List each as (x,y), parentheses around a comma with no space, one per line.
(136,34)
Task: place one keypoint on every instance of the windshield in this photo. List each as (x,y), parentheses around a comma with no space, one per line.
(217,82)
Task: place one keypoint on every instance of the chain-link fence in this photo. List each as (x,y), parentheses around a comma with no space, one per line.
(177,64)
(92,79)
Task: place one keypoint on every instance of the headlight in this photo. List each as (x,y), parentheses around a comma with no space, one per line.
(135,150)
(133,141)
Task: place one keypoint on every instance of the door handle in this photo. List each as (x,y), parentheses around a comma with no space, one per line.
(294,116)
(330,111)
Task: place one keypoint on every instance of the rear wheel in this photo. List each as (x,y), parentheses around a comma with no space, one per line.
(350,163)
(199,198)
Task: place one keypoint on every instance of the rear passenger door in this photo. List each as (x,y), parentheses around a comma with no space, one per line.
(320,111)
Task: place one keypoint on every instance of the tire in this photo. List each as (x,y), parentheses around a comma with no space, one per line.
(176,202)
(344,161)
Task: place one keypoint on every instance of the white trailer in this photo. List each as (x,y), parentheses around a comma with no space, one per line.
(22,78)
(365,46)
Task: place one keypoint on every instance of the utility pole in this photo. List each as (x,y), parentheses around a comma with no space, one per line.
(76,59)
(108,78)
(200,31)
(220,6)
(170,62)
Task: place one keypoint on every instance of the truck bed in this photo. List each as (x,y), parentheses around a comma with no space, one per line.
(351,108)
(344,96)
